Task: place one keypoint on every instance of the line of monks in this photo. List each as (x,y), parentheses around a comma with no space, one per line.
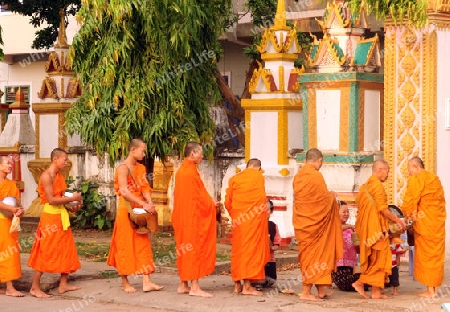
(319,233)
(316,223)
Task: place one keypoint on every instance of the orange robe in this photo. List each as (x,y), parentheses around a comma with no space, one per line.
(10,268)
(194,224)
(54,249)
(130,253)
(246,202)
(425,199)
(317,226)
(372,230)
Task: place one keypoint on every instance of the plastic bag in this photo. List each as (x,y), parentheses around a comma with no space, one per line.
(15,225)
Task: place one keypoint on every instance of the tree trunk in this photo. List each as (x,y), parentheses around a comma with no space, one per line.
(248,76)
(236,109)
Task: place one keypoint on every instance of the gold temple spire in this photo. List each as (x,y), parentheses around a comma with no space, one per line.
(61,42)
(280,16)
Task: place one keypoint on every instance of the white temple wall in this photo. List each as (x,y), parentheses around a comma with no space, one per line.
(295,130)
(29,193)
(328,119)
(264,129)
(372,108)
(49,134)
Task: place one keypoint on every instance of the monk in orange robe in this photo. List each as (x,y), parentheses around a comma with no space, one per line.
(54,249)
(246,202)
(10,268)
(131,253)
(372,230)
(194,224)
(317,227)
(424,203)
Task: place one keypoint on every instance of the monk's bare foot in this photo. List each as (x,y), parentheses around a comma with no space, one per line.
(324,292)
(14,293)
(65,288)
(128,289)
(380,296)
(183,289)
(200,293)
(427,294)
(151,287)
(359,287)
(39,294)
(2,291)
(251,291)
(309,297)
(237,288)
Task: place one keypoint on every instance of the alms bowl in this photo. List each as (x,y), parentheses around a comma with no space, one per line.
(10,201)
(72,203)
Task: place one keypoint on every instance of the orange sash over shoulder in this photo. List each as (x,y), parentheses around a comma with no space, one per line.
(10,268)
(425,199)
(194,224)
(130,253)
(317,226)
(246,202)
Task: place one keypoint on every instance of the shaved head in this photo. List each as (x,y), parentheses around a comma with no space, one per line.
(135,143)
(191,147)
(380,169)
(57,152)
(254,163)
(379,164)
(415,166)
(417,161)
(313,155)
(3,158)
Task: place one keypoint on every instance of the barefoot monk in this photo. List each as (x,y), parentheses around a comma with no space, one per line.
(246,202)
(317,228)
(54,249)
(424,202)
(10,268)
(372,230)
(194,224)
(130,252)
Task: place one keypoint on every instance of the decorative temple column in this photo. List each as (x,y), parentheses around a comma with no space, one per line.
(58,91)
(342,98)
(162,174)
(273,116)
(417,97)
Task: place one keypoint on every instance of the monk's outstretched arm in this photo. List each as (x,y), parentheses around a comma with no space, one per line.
(400,223)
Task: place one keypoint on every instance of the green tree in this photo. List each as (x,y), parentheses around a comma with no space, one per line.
(401,11)
(148,70)
(43,12)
